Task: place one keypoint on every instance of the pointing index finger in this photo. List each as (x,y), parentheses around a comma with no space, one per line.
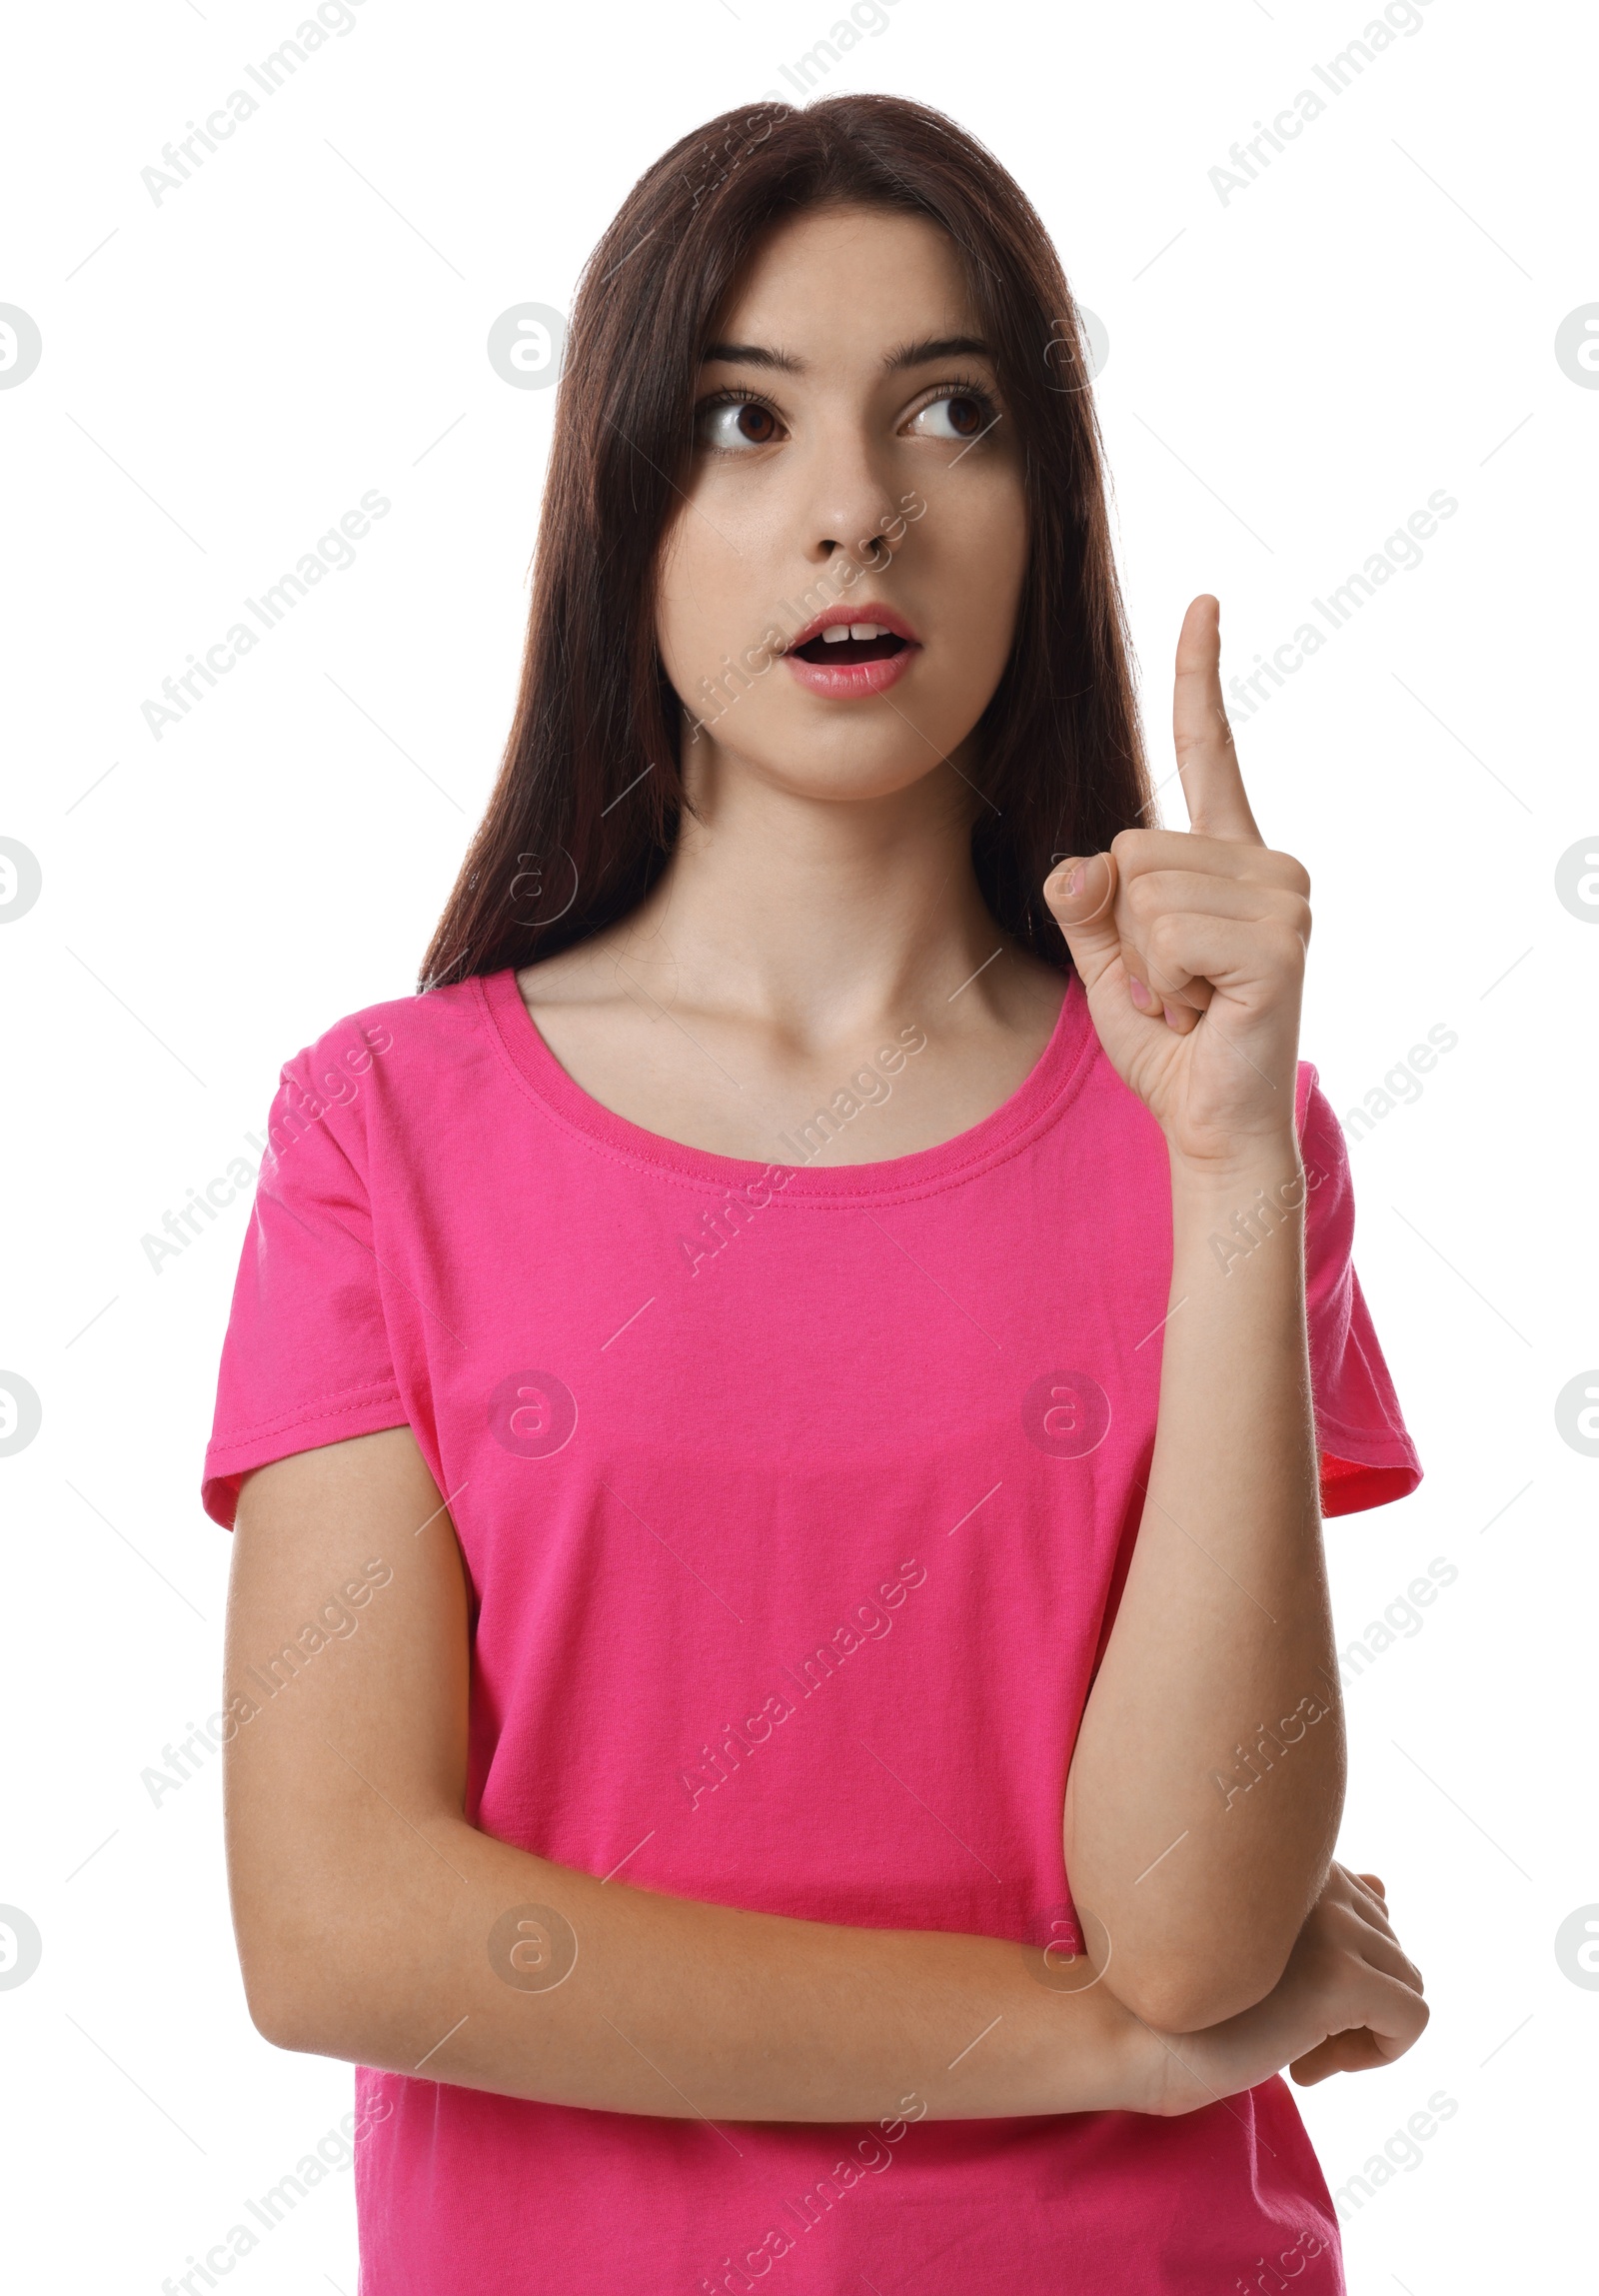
(1208,761)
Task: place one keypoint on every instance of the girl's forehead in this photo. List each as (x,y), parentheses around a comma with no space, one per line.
(884,269)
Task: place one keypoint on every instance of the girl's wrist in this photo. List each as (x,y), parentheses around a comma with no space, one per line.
(1271,1158)
(1223,1214)
(1109,2059)
(1154,2074)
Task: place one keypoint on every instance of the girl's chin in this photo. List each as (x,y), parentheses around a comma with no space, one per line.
(825,772)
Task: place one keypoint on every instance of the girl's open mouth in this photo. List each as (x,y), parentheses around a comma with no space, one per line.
(852,660)
(840,653)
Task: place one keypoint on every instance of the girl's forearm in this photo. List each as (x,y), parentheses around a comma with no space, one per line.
(375,1924)
(499,1970)
(1207,1784)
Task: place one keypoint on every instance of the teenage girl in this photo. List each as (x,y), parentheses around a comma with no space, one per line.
(777,1414)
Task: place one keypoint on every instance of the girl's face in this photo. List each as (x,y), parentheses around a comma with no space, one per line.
(854,466)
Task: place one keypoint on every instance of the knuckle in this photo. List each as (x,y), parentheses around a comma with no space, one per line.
(1290,947)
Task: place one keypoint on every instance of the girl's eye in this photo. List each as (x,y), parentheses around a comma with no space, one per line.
(731,426)
(957,413)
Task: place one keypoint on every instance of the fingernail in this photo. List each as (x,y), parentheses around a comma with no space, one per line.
(1073,881)
(1139,994)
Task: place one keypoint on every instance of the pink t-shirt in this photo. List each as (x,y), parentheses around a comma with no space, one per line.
(796,1500)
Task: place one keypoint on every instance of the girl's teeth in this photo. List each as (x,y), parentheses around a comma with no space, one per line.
(839,630)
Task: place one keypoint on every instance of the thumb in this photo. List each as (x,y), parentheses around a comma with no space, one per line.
(1086,916)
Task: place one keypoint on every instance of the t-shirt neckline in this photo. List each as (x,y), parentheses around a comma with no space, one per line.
(1039,1099)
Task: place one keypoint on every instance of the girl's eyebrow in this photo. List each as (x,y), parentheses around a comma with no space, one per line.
(935,347)
(750,355)
(905,354)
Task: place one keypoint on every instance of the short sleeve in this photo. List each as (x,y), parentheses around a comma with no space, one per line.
(306,1357)
(1365,1453)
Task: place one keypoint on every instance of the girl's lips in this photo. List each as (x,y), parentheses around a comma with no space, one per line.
(851,681)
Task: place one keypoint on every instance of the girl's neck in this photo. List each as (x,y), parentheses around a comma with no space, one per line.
(817,917)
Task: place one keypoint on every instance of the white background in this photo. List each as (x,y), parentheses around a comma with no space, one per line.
(1292,373)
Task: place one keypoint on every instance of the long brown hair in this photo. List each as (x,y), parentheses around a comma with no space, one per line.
(585,807)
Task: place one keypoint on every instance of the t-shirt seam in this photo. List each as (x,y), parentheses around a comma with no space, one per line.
(1388,1434)
(347,1400)
(990,1160)
(272,1162)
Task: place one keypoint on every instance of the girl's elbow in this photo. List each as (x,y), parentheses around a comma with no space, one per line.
(1178,1992)
(286,1991)
(278,2009)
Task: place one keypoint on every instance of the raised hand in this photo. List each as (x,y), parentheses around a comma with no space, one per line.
(1191,944)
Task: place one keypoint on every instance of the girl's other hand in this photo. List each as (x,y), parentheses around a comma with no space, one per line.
(1350,1999)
